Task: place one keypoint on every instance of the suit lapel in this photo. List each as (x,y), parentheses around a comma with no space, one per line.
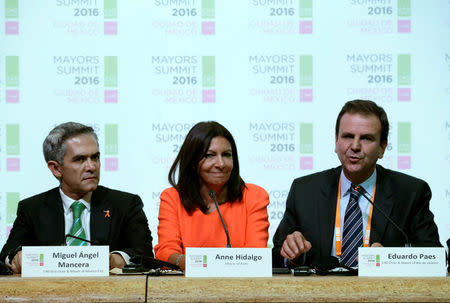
(384,201)
(52,219)
(101,213)
(327,198)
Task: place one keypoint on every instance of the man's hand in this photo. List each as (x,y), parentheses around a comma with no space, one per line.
(16,263)
(116,261)
(294,245)
(376,244)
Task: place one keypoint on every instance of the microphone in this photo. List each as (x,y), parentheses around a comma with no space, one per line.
(93,242)
(147,263)
(327,264)
(363,193)
(212,194)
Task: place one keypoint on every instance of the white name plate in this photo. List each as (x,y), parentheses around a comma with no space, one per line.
(228,262)
(401,262)
(65,261)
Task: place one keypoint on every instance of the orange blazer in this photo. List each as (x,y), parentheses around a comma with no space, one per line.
(247,223)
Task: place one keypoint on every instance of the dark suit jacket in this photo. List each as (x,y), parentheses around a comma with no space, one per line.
(40,221)
(311,209)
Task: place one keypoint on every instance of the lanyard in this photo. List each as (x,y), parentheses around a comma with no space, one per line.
(337,223)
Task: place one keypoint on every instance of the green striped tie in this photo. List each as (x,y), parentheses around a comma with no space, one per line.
(77,228)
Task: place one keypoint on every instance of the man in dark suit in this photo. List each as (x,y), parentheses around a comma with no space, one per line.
(104,216)
(313,226)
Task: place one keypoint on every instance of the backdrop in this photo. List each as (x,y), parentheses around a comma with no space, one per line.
(274,72)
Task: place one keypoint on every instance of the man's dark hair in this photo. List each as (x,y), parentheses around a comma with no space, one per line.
(193,150)
(366,108)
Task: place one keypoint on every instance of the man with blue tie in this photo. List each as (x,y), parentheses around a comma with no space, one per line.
(79,206)
(325,216)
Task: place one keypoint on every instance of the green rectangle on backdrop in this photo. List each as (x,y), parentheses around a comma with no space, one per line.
(404,69)
(404,8)
(12,71)
(305,8)
(12,200)
(208,9)
(12,139)
(111,71)
(404,137)
(209,71)
(11,9)
(306,138)
(111,139)
(306,70)
(110,9)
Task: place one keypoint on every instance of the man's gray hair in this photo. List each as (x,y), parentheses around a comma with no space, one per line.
(55,143)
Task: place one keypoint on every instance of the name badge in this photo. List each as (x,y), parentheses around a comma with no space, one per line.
(65,261)
(401,262)
(228,262)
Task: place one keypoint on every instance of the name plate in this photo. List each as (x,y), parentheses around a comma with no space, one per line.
(401,262)
(65,261)
(228,262)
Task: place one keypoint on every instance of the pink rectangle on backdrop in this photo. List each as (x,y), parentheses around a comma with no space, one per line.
(306,163)
(403,94)
(209,96)
(404,162)
(11,27)
(306,95)
(110,28)
(12,96)
(404,26)
(112,164)
(12,164)
(305,27)
(111,96)
(208,28)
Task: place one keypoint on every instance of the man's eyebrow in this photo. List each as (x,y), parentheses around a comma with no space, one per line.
(81,156)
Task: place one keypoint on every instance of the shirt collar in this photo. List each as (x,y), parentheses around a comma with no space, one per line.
(368,184)
(67,202)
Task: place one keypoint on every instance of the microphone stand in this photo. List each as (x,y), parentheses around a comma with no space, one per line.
(212,194)
(363,193)
(93,242)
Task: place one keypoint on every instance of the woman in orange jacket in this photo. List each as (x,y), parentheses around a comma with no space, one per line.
(188,217)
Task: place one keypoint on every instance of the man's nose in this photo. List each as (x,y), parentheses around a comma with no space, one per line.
(356,144)
(90,164)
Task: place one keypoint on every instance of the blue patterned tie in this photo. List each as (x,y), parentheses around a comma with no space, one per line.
(77,228)
(352,237)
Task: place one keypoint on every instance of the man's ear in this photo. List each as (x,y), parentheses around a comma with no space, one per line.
(335,143)
(55,168)
(383,148)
